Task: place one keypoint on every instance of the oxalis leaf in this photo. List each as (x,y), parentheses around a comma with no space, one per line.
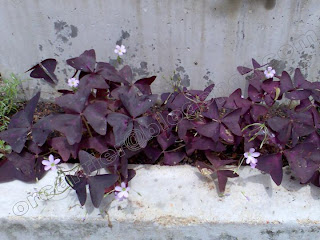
(217,168)
(304,160)
(272,164)
(45,70)
(97,184)
(21,124)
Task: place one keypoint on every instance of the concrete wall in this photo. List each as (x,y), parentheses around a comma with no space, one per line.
(202,41)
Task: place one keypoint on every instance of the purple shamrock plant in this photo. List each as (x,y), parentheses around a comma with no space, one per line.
(108,120)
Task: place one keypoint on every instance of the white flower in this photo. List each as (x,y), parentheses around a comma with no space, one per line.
(120,50)
(73,82)
(251,157)
(51,163)
(269,73)
(121,192)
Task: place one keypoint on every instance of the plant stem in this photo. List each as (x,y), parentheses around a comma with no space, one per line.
(176,148)
(85,122)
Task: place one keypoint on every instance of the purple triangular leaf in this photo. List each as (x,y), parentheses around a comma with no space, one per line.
(41,130)
(173,158)
(203,143)
(95,113)
(285,83)
(108,72)
(254,94)
(216,162)
(223,176)
(45,70)
(278,123)
(93,80)
(24,165)
(300,162)
(89,163)
(272,164)
(212,111)
(144,85)
(126,73)
(257,111)
(98,143)
(15,137)
(231,120)
(70,125)
(211,130)
(73,103)
(79,185)
(137,105)
(85,62)
(298,94)
(122,127)
(166,139)
(226,134)
(255,64)
(64,148)
(243,70)
(152,153)
(31,106)
(97,186)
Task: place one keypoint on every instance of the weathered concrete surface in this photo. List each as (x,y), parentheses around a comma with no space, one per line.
(202,41)
(168,203)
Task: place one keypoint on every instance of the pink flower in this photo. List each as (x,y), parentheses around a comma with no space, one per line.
(73,82)
(120,50)
(269,73)
(251,157)
(51,163)
(121,192)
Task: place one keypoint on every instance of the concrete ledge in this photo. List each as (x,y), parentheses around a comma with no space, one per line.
(173,203)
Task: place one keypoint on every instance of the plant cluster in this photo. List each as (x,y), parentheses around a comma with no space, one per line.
(8,99)
(109,118)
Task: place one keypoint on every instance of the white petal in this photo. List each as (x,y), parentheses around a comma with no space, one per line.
(254,160)
(255,154)
(247,160)
(251,159)
(269,69)
(118,198)
(47,167)
(118,189)
(253,165)
(120,53)
(120,194)
(123,185)
(45,162)
(57,161)
(118,47)
(116,51)
(246,154)
(252,150)
(128,189)
(54,168)
(126,194)
(51,158)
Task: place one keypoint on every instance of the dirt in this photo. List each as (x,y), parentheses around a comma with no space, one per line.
(44,108)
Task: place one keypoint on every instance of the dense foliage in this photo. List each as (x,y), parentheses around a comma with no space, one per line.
(111,118)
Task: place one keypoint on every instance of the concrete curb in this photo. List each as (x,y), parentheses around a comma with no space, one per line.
(167,203)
